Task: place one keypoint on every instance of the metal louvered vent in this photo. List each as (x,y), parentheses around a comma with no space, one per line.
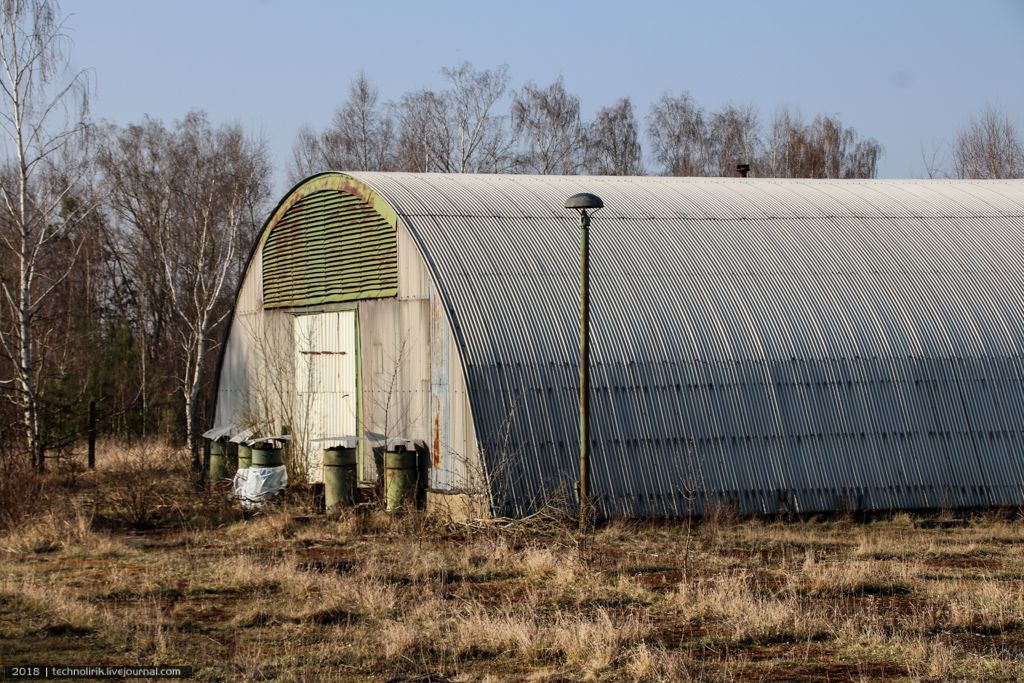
(330,246)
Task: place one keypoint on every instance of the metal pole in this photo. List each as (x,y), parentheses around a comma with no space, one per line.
(584,370)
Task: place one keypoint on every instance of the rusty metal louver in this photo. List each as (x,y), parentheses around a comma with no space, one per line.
(330,246)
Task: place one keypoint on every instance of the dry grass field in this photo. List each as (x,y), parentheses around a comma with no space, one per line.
(130,565)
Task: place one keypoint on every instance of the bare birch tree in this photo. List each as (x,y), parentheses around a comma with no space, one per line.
(307,155)
(480,141)
(359,138)
(783,147)
(989,147)
(678,131)
(734,138)
(189,200)
(548,127)
(44,123)
(456,130)
(423,139)
(822,149)
(614,141)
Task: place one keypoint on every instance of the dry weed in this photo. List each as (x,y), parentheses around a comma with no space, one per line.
(748,611)
(592,644)
(857,578)
(68,528)
(401,638)
(24,494)
(876,545)
(986,606)
(644,662)
(541,562)
(61,604)
(137,485)
(478,630)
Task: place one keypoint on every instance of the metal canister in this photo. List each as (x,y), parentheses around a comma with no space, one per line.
(339,477)
(244,456)
(232,456)
(218,458)
(265,456)
(400,479)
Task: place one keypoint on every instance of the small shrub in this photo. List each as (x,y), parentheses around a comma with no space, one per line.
(139,484)
(24,493)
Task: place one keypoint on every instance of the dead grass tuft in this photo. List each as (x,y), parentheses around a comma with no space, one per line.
(983,607)
(593,643)
(857,578)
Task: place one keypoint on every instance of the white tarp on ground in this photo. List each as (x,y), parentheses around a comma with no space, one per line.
(255,485)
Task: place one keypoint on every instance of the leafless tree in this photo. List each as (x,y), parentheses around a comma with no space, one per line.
(689,141)
(456,130)
(614,141)
(822,149)
(307,155)
(734,138)
(784,147)
(359,138)
(423,141)
(935,160)
(678,130)
(547,124)
(989,147)
(189,200)
(44,124)
(480,141)
(862,157)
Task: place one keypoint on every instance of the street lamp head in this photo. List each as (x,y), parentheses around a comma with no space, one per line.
(582,201)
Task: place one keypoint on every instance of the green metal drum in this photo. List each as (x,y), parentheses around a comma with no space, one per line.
(400,479)
(232,455)
(339,477)
(265,456)
(218,461)
(244,456)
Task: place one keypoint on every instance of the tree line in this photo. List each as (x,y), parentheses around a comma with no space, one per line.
(464,129)
(121,244)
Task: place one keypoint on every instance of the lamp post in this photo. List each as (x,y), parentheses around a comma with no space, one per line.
(581,202)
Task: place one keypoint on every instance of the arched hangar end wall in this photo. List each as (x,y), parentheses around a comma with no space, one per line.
(337,300)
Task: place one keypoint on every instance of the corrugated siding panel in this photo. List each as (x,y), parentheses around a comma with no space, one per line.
(770,344)
(395,343)
(256,378)
(329,247)
(442,473)
(468,468)
(413,279)
(456,463)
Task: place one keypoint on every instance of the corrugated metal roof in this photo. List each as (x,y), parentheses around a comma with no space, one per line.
(771,344)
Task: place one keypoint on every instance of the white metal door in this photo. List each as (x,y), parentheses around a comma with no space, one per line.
(325,382)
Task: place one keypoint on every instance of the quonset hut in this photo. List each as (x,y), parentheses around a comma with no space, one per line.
(802,345)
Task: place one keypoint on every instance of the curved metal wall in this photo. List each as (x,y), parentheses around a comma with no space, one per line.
(769,344)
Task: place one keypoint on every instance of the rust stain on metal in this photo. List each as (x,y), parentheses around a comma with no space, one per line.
(437,440)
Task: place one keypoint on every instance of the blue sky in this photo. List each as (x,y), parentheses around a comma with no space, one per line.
(907,73)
